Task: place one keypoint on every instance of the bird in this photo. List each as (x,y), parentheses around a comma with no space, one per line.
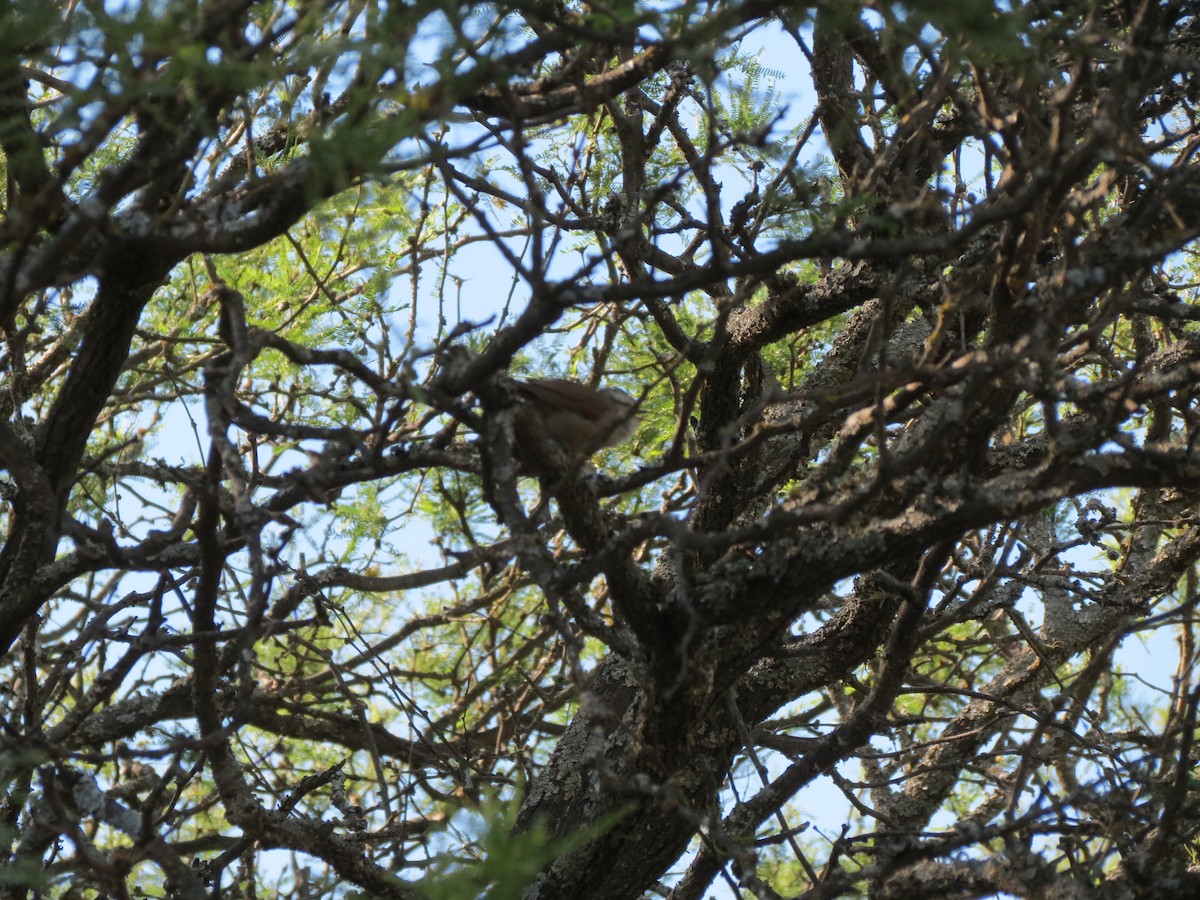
(582,419)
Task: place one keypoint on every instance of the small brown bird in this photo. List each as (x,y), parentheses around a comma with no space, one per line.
(581,418)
